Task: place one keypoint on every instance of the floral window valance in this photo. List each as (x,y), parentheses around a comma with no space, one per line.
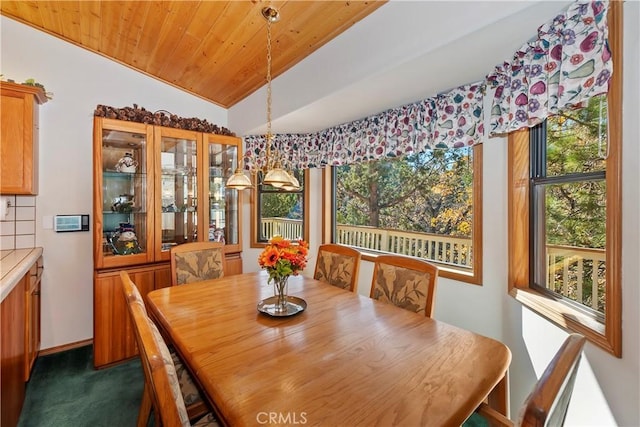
(568,63)
(453,119)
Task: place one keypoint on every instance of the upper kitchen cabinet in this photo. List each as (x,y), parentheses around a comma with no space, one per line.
(19,138)
(123,200)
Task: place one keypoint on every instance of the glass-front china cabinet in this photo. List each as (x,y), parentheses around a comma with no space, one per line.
(154,188)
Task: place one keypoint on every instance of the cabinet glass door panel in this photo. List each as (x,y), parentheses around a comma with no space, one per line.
(223,204)
(178,191)
(123,202)
(121,184)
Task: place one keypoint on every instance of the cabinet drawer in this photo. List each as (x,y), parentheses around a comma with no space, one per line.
(35,273)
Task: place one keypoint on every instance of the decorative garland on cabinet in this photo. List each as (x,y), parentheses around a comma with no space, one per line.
(159,118)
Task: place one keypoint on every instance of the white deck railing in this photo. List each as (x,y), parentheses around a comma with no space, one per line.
(435,247)
(290,229)
(566,264)
(576,273)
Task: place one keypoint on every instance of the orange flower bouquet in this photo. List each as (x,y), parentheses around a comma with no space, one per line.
(283,258)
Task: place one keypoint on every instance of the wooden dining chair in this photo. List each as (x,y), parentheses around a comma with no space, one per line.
(406,282)
(547,404)
(338,265)
(197,261)
(195,406)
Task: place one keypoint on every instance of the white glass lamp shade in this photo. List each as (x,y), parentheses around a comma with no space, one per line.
(277,177)
(293,185)
(239,181)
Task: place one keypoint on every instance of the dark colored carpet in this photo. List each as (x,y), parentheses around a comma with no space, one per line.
(66,391)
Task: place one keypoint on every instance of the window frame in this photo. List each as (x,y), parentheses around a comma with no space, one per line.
(255,209)
(474,277)
(539,179)
(607,334)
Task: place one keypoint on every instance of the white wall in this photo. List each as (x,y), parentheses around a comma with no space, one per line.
(366,70)
(79,80)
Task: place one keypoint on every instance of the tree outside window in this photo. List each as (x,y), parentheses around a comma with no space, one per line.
(279,212)
(569,204)
(420,205)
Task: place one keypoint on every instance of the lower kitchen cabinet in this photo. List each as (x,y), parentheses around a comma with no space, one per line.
(32,317)
(19,342)
(12,354)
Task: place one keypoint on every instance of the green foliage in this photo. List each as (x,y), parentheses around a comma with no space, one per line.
(575,212)
(429,192)
(33,82)
(275,203)
(280,205)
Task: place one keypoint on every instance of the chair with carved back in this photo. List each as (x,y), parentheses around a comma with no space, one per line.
(547,404)
(197,261)
(190,396)
(408,283)
(338,265)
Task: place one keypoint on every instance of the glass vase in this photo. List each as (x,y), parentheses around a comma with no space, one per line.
(280,289)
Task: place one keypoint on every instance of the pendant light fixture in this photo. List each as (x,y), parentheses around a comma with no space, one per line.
(239,181)
(272,172)
(294,185)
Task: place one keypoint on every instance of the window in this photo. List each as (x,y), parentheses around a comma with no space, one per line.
(426,206)
(568,206)
(276,211)
(564,215)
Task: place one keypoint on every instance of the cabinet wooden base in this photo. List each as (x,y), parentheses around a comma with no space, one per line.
(113,336)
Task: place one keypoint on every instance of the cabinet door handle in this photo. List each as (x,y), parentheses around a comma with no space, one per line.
(36,293)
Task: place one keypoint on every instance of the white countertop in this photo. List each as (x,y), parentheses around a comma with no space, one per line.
(14,264)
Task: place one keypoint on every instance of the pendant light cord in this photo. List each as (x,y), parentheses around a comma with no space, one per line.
(269,137)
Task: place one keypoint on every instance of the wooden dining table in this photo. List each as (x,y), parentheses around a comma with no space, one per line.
(346,360)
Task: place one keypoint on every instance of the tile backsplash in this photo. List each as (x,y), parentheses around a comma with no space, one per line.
(18,227)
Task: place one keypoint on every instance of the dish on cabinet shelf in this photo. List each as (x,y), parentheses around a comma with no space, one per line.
(124,204)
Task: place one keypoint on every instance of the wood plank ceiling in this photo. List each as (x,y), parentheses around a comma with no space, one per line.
(213,49)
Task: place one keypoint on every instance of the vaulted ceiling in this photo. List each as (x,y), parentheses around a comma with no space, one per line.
(403,52)
(213,49)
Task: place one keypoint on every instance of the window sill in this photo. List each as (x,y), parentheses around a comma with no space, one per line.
(564,316)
